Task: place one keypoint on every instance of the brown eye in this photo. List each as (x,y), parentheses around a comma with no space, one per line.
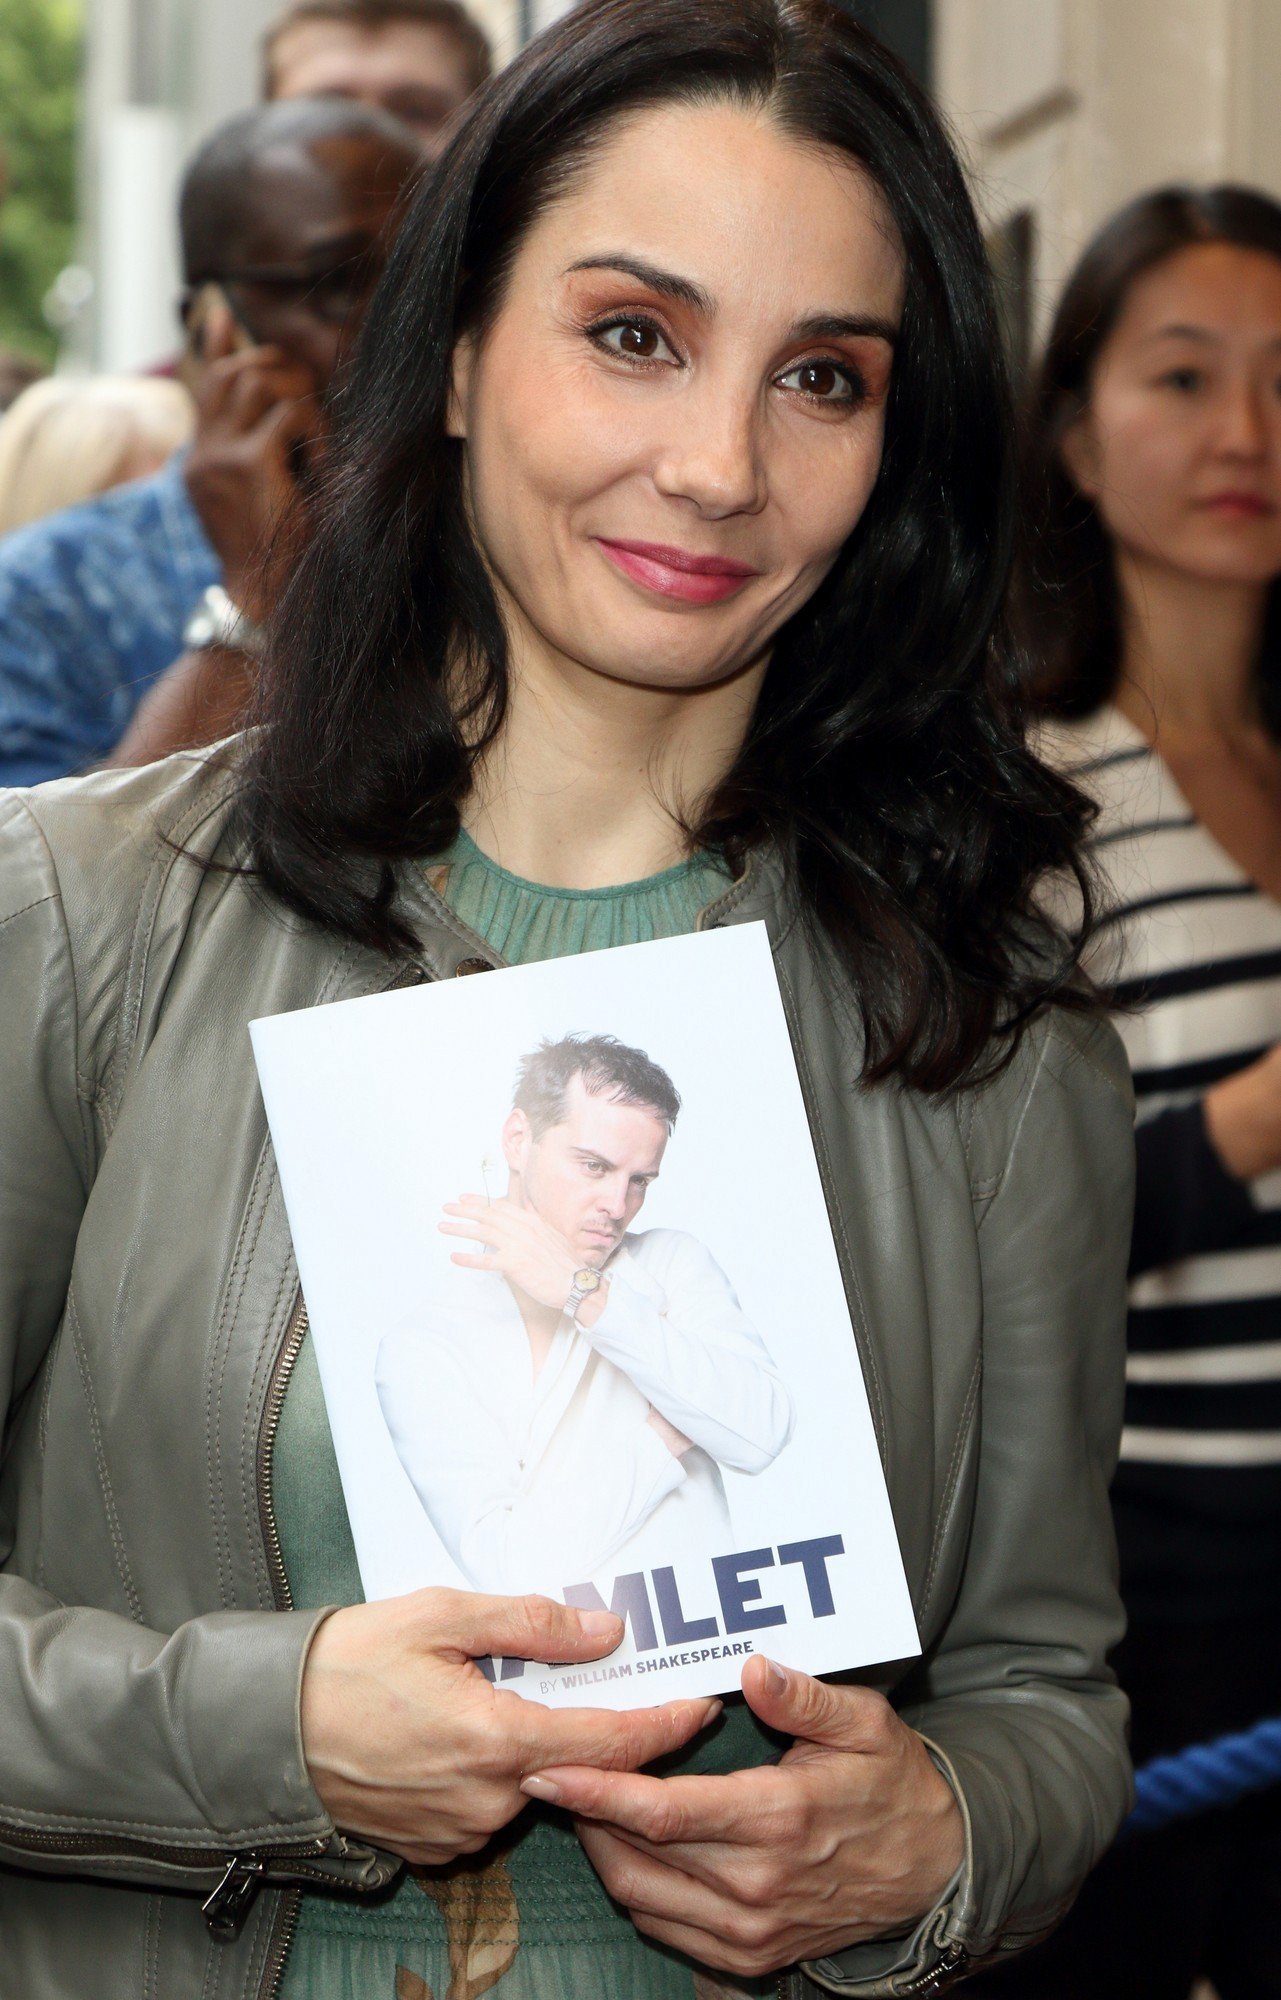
(821,380)
(640,340)
(634,339)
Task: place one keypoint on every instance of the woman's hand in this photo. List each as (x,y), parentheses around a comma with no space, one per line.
(854,1834)
(410,1746)
(1243,1118)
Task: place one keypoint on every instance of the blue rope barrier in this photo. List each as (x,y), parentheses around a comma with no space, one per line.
(1206,1775)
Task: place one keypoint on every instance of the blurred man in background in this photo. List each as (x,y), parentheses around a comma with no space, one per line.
(285,216)
(419,59)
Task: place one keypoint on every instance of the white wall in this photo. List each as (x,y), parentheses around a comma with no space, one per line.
(160,74)
(1070,107)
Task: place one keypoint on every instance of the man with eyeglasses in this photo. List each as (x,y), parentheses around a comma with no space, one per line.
(129,626)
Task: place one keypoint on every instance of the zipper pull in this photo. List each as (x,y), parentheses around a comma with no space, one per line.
(941,1974)
(227,1906)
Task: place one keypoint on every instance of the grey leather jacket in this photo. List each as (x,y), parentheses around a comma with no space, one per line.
(149,1662)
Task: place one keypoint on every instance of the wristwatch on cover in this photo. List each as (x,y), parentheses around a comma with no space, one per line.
(585,1283)
(217,621)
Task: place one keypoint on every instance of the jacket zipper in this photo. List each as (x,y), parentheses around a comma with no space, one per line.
(933,1980)
(295,1334)
(286,1923)
(291,1900)
(19,1838)
(954,1960)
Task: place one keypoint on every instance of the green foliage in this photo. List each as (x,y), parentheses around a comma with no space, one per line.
(40,45)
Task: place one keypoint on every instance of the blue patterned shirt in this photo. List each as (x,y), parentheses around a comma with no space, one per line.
(93,602)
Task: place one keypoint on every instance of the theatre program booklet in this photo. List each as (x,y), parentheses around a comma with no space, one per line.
(578,1314)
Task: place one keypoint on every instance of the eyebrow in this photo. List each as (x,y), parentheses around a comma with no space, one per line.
(1178,331)
(586,1153)
(1204,334)
(420,94)
(816,326)
(326,251)
(683,290)
(847,326)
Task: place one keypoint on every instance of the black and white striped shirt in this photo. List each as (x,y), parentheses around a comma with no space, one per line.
(1195,948)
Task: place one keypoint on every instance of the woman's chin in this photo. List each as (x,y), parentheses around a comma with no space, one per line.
(666,676)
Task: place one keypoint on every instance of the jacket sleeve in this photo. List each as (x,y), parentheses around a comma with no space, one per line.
(1016,1701)
(123,1751)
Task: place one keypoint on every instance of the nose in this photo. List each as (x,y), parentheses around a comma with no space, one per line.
(713,457)
(612,1201)
(1243,428)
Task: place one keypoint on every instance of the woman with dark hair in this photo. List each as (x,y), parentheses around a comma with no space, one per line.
(656,585)
(1153,615)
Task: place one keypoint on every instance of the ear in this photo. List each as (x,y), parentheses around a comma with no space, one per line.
(1079,451)
(518,1137)
(462,369)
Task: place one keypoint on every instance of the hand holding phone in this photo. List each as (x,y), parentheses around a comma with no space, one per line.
(258,418)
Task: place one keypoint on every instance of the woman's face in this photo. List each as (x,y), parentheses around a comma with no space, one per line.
(676,416)
(1180,448)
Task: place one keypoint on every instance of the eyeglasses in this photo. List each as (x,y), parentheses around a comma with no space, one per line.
(331,295)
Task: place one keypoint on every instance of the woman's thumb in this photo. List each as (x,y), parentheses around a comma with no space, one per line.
(842,1718)
(527,1628)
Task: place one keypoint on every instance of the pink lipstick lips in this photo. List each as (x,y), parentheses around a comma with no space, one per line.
(691,579)
(1242,505)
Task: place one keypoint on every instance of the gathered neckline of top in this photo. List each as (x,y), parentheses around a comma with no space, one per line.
(465,852)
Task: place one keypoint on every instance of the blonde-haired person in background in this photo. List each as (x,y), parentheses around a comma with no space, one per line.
(65,440)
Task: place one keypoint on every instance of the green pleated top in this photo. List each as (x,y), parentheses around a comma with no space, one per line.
(527,1919)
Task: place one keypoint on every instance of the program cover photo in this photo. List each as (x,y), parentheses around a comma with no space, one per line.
(578,1315)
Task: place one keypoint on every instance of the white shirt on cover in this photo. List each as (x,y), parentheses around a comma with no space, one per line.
(538,1484)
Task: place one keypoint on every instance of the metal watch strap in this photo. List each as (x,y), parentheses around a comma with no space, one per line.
(218,621)
(577,1293)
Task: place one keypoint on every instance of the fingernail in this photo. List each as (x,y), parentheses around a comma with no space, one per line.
(597,1623)
(775,1676)
(699,1710)
(541,1788)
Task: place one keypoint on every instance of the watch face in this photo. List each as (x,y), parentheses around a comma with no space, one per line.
(198,631)
(586,1280)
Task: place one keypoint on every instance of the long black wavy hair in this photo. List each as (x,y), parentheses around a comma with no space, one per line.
(1068,607)
(886,758)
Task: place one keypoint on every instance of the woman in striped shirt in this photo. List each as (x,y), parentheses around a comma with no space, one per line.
(1154,619)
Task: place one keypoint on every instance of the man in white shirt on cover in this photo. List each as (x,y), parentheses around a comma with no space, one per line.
(580,1383)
